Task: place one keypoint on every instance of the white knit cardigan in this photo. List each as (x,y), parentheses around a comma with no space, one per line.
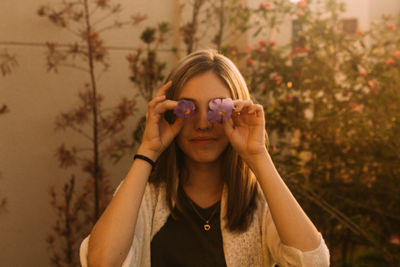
(259,245)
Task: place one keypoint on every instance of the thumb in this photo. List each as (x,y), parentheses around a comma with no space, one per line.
(177,125)
(228,127)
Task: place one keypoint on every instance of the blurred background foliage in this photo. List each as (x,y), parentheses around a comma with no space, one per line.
(8,62)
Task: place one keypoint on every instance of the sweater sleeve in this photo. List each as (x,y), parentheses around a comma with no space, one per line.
(286,256)
(138,252)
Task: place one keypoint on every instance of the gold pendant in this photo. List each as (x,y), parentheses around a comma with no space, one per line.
(207,227)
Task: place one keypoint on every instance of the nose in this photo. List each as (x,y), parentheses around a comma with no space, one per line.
(200,120)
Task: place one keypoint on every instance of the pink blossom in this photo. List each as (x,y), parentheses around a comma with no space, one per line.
(272,43)
(359,32)
(363,73)
(371,84)
(391,26)
(277,79)
(389,61)
(262,43)
(397,54)
(373,88)
(302,3)
(298,50)
(250,61)
(395,240)
(249,48)
(265,5)
(295,50)
(356,106)
(233,52)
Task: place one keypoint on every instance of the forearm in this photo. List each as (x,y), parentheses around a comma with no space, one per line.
(295,229)
(112,235)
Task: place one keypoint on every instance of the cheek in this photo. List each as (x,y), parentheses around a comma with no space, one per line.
(183,134)
(185,129)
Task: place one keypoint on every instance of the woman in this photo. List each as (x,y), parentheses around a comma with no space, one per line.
(214,196)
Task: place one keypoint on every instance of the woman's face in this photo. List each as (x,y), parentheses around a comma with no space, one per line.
(200,140)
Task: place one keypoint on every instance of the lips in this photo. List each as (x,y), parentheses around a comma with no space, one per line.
(203,139)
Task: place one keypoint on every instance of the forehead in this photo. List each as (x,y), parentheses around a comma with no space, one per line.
(204,86)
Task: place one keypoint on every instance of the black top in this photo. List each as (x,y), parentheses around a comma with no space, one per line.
(184,242)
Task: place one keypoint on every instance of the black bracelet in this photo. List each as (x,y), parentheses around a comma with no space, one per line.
(138,156)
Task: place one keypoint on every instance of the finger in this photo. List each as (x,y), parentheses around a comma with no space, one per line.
(256,108)
(155,101)
(177,125)
(165,105)
(247,107)
(164,88)
(228,127)
(239,105)
(152,111)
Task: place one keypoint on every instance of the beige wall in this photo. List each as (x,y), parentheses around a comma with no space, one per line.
(366,11)
(369,10)
(379,7)
(27,139)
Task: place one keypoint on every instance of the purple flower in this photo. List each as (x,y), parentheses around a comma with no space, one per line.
(185,109)
(220,109)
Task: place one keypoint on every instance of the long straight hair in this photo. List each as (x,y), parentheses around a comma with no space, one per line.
(170,169)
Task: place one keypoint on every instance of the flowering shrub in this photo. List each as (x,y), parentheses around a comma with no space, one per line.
(146,68)
(332,104)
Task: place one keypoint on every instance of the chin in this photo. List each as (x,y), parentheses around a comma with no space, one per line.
(204,156)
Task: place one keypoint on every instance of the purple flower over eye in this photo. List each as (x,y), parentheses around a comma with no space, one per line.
(185,109)
(220,109)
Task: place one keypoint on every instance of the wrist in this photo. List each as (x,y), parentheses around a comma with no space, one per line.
(142,150)
(257,159)
(144,158)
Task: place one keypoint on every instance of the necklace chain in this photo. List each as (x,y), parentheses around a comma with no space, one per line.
(207,225)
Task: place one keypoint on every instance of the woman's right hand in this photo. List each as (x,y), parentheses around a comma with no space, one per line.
(158,133)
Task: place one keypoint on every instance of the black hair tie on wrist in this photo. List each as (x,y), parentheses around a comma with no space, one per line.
(138,156)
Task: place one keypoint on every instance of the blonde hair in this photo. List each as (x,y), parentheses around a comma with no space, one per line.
(240,180)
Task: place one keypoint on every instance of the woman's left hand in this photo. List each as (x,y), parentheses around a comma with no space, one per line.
(246,128)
